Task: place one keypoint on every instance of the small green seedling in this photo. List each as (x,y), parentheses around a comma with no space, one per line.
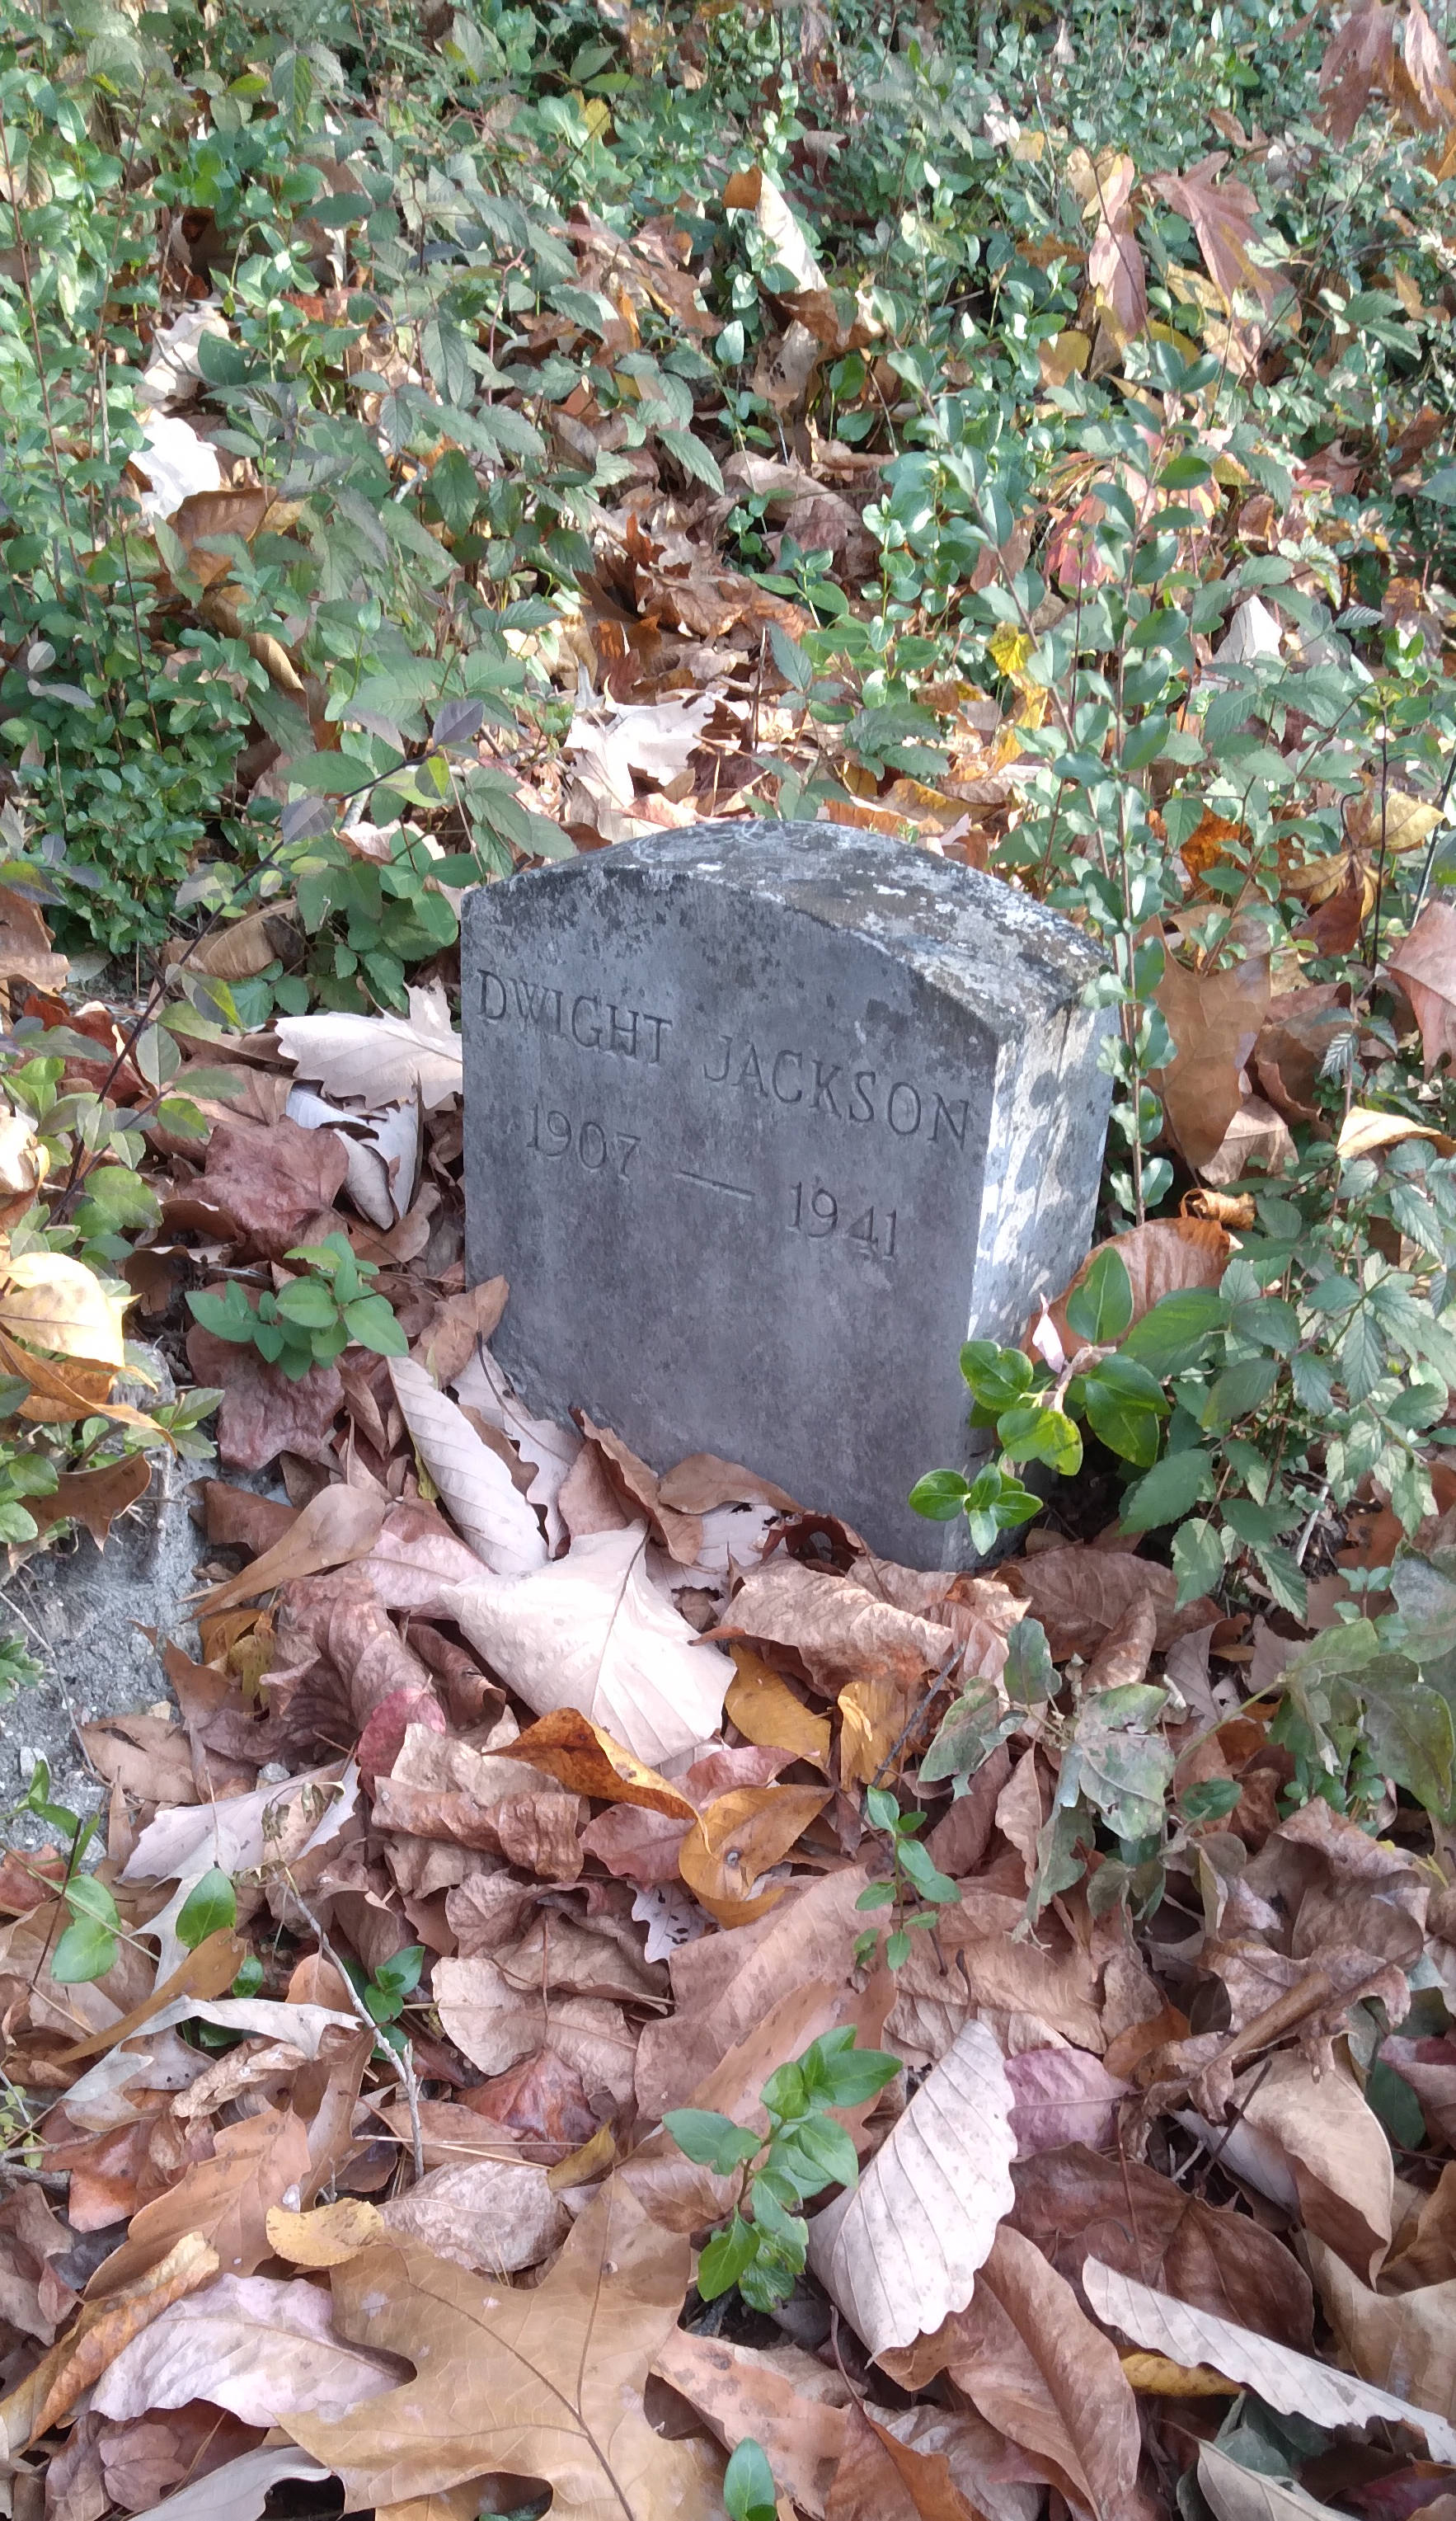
(314,1318)
(762,2250)
(915,1879)
(749,2490)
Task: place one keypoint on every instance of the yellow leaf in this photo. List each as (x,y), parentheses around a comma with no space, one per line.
(1065,356)
(326,2237)
(874,1714)
(765,1711)
(1011,648)
(590,2161)
(1159,2378)
(581,1755)
(58,1303)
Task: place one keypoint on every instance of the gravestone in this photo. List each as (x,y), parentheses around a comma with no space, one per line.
(761,1121)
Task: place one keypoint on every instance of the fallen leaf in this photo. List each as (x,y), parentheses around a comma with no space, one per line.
(492,1515)
(495,2025)
(1222,217)
(273,1182)
(493,2217)
(1074,2203)
(739,1836)
(568,1747)
(374,1060)
(240,2491)
(1116,269)
(1034,2366)
(763,1707)
(1062,2096)
(1240,2494)
(592,1631)
(264,1413)
(225,2200)
(259,2346)
(839,1632)
(338,1526)
(58,1303)
(1425,965)
(1215,1019)
(1405,2343)
(105,2327)
(568,2360)
(900,2254)
(326,2236)
(745,2398)
(1079,1594)
(1294,2384)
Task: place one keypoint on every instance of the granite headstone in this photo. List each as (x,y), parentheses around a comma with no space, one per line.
(761,1121)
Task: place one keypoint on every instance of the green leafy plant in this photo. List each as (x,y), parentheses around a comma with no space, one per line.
(915,1888)
(761,2249)
(385,1994)
(749,2490)
(313,1319)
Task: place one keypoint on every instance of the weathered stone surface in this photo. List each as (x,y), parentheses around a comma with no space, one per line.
(762,1120)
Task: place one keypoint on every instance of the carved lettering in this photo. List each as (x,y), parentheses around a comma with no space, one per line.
(492,981)
(946,1111)
(716,1076)
(537,1004)
(751,1073)
(864,1094)
(659,1026)
(588,1040)
(788,1058)
(623,1034)
(824,1090)
(903,1128)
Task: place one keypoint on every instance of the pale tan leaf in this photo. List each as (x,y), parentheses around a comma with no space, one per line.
(58,1305)
(260,2345)
(1240,2494)
(1404,2343)
(900,2254)
(746,2398)
(487,1506)
(1294,2384)
(493,2217)
(495,2025)
(373,1060)
(239,2491)
(592,1631)
(841,1632)
(546,1449)
(337,1526)
(326,2236)
(1425,965)
(568,2361)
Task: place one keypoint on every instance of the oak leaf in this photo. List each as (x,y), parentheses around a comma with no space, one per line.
(374,1060)
(1214,1020)
(566,2364)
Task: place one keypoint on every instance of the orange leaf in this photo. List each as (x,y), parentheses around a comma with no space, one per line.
(568,1747)
(763,1707)
(739,1836)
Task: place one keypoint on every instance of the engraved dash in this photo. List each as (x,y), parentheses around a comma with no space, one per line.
(707,1182)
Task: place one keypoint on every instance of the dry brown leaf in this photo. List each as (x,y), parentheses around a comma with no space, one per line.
(1215,1019)
(592,1631)
(264,1413)
(1405,2343)
(743,2396)
(638,1491)
(374,1060)
(1035,2366)
(240,2491)
(1240,2494)
(496,2024)
(568,2362)
(58,1305)
(338,1526)
(492,2217)
(259,2346)
(900,2254)
(568,1747)
(839,1632)
(226,2199)
(1116,269)
(326,2236)
(1222,217)
(105,2327)
(1074,2203)
(763,1707)
(95,1497)
(1295,2384)
(492,1515)
(1314,2141)
(1425,965)
(738,1837)
(1078,1593)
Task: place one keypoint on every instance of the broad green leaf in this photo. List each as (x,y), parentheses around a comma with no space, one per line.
(726,2257)
(1170,1491)
(1198,1559)
(749,2490)
(968,1733)
(210,1904)
(939,1496)
(1125,1408)
(1176,1332)
(86,1951)
(997,1376)
(1032,1432)
(1100,1310)
(705,2136)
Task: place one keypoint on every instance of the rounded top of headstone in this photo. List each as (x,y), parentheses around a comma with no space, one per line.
(1004,955)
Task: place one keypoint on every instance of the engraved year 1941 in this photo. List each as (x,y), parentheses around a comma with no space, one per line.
(556,1133)
(816,1213)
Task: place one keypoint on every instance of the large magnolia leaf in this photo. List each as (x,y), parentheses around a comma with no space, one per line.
(900,2252)
(592,1631)
(58,1303)
(541,2382)
(374,1060)
(1295,2384)
(488,1507)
